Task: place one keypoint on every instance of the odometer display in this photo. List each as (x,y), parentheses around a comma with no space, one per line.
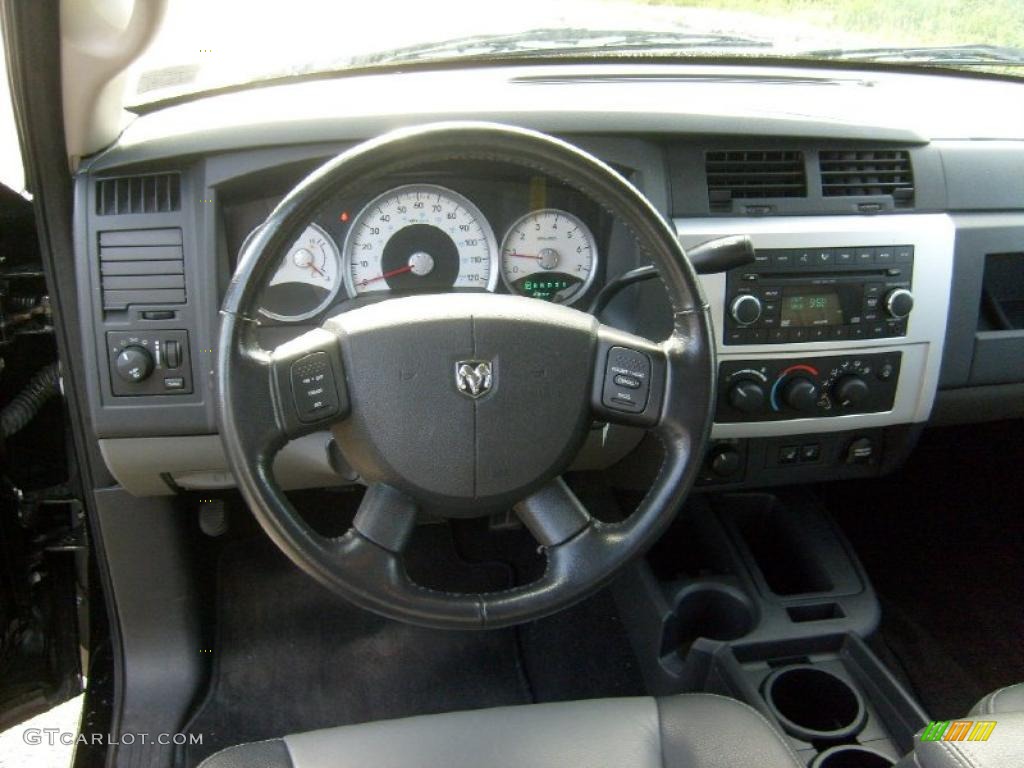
(549,254)
(420,238)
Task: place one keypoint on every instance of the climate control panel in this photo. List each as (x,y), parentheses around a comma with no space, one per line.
(812,387)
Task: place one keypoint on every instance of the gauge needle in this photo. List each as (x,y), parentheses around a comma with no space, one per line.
(392,273)
(524,256)
(317,269)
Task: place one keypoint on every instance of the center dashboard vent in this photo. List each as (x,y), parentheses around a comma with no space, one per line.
(753,174)
(867,172)
(152,193)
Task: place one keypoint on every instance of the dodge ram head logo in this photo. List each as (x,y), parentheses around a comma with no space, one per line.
(473,377)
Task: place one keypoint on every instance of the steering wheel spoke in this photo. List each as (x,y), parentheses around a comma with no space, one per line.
(553,514)
(386,516)
(630,377)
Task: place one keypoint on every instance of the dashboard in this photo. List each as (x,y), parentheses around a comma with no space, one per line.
(885,293)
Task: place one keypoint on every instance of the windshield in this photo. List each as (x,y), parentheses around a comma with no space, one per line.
(206,45)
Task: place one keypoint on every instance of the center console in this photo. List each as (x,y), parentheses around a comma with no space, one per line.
(829,344)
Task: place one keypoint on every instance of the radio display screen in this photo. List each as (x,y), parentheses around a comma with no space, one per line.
(810,308)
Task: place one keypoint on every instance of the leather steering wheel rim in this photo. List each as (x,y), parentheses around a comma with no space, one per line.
(256,416)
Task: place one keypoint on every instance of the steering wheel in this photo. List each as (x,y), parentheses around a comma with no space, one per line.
(463,404)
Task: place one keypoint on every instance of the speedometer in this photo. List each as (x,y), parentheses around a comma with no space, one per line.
(549,254)
(420,238)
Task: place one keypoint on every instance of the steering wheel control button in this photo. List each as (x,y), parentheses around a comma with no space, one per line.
(627,380)
(313,388)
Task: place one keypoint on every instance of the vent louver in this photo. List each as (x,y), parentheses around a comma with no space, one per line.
(753,174)
(141,266)
(154,193)
(867,172)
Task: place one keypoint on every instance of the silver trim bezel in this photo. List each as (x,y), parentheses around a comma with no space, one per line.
(932,236)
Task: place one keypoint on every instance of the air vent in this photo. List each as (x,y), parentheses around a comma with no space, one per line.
(867,172)
(141,266)
(749,174)
(155,193)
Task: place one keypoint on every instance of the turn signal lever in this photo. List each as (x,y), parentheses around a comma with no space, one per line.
(718,255)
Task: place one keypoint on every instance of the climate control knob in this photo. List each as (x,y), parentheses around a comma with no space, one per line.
(745,309)
(801,394)
(850,391)
(899,302)
(134,364)
(747,397)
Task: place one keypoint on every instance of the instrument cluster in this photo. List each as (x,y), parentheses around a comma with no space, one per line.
(420,237)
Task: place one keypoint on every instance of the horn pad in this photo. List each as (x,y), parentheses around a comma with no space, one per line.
(467,402)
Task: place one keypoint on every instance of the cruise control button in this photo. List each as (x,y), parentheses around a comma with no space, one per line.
(627,381)
(174,382)
(313,388)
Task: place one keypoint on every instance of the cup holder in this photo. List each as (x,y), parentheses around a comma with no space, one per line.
(849,756)
(814,705)
(714,611)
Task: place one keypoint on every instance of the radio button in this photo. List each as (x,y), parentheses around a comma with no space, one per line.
(899,303)
(745,309)
(864,256)
(771,294)
(782,259)
(857,332)
(762,259)
(798,334)
(844,258)
(871,302)
(840,332)
(873,289)
(904,254)
(885,256)
(870,317)
(823,258)
(777,335)
(820,333)
(804,258)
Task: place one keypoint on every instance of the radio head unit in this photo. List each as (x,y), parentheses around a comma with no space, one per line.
(803,295)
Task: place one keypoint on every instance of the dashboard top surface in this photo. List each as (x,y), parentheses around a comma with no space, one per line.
(711,100)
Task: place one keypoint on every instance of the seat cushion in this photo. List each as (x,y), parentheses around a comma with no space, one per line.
(688,731)
(1001,701)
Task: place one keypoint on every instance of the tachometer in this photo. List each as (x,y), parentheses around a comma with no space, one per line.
(549,254)
(420,238)
(307,279)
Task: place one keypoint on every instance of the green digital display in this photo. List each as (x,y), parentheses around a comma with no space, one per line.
(550,286)
(803,310)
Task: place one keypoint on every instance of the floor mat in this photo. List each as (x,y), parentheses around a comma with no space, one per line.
(943,543)
(292,657)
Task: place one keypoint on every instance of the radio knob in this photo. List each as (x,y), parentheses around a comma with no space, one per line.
(745,309)
(801,394)
(134,364)
(851,390)
(747,397)
(899,302)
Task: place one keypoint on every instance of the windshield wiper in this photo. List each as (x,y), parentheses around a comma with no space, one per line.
(559,42)
(958,55)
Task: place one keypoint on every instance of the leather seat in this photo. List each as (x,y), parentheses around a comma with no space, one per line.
(1003,749)
(687,731)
